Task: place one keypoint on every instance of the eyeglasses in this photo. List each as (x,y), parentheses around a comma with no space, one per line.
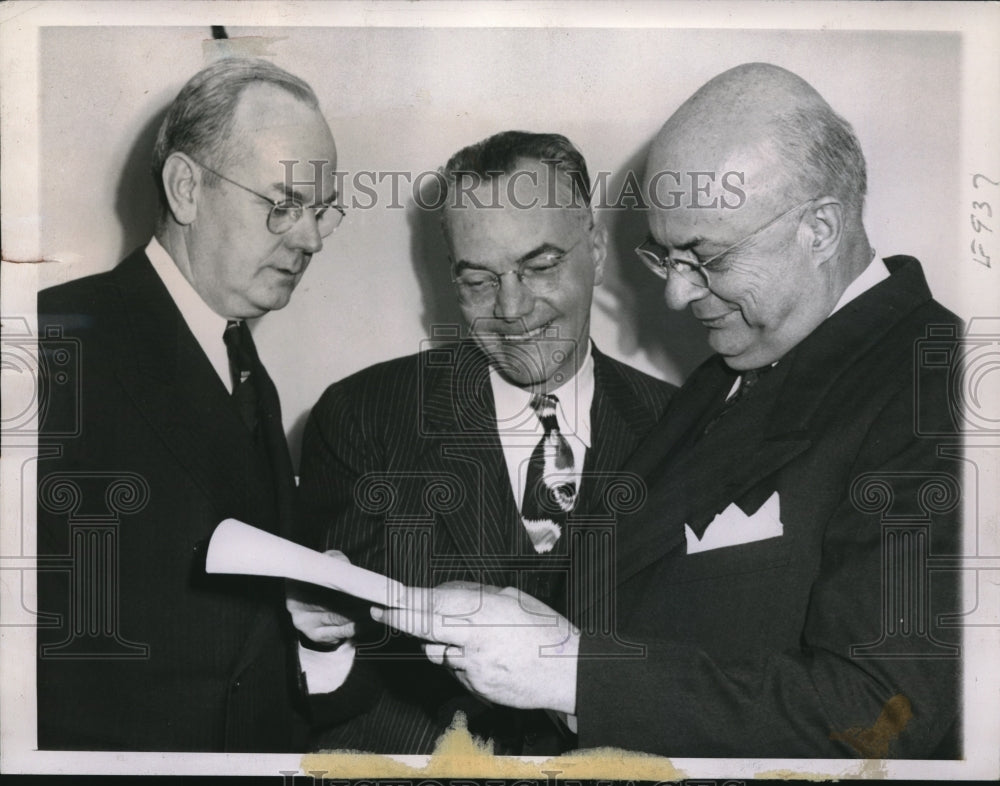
(540,274)
(658,259)
(285,213)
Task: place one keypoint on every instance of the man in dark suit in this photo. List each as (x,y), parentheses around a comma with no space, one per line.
(171,425)
(779,575)
(484,460)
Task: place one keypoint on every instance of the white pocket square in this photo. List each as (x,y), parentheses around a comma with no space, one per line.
(733,527)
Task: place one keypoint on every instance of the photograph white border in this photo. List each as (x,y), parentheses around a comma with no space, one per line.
(20,23)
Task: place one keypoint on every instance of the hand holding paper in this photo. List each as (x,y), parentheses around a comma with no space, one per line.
(501,644)
(311,617)
(236,547)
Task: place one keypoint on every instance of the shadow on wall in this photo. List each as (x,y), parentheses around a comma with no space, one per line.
(674,341)
(137,202)
(442,317)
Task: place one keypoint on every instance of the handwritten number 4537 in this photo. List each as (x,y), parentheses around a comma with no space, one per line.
(984,211)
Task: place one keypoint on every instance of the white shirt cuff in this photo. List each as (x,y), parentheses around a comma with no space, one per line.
(568,720)
(326,671)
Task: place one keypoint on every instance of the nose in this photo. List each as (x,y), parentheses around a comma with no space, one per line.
(679,292)
(514,300)
(305,234)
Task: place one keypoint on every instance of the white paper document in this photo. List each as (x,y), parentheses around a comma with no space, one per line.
(236,547)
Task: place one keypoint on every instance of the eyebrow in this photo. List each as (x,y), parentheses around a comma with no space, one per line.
(696,241)
(544,248)
(290,193)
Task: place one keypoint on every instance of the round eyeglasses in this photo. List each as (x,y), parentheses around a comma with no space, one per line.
(539,273)
(659,259)
(285,213)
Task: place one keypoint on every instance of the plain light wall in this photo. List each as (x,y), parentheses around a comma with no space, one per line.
(405,99)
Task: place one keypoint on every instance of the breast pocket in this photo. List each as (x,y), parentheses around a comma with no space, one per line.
(736,542)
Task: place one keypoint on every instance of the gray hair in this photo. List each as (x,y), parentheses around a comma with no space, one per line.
(820,150)
(200,119)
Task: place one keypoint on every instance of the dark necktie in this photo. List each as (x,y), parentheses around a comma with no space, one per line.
(748,380)
(550,489)
(242,354)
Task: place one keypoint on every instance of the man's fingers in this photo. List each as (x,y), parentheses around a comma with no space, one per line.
(454,657)
(331,634)
(425,624)
(333,618)
(318,615)
(414,621)
(306,615)
(449,655)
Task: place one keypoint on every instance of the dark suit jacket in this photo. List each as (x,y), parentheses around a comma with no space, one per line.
(403,470)
(796,645)
(143,453)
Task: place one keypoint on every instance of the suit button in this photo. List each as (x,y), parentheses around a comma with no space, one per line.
(236,685)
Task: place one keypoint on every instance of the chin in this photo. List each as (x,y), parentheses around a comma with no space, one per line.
(753,357)
(738,350)
(740,363)
(519,366)
(515,378)
(277,300)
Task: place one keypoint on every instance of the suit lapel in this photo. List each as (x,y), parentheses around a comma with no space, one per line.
(837,345)
(460,414)
(462,443)
(177,390)
(619,423)
(690,484)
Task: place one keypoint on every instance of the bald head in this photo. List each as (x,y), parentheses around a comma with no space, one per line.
(771,126)
(765,234)
(753,92)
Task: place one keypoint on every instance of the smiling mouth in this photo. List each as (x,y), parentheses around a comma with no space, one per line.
(529,335)
(716,321)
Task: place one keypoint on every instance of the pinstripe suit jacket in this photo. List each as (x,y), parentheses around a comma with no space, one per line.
(403,470)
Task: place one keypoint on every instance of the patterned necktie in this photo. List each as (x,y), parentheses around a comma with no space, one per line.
(550,489)
(242,353)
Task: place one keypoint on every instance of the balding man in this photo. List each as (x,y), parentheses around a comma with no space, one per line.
(178,426)
(776,576)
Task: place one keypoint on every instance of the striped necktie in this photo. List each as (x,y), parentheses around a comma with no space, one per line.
(550,490)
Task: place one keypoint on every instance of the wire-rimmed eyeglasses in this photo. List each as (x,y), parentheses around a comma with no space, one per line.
(286,212)
(539,273)
(659,259)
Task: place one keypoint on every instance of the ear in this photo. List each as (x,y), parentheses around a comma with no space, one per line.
(598,250)
(826,222)
(181,184)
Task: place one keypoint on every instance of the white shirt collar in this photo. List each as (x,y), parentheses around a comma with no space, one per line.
(875,273)
(205,324)
(575,395)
